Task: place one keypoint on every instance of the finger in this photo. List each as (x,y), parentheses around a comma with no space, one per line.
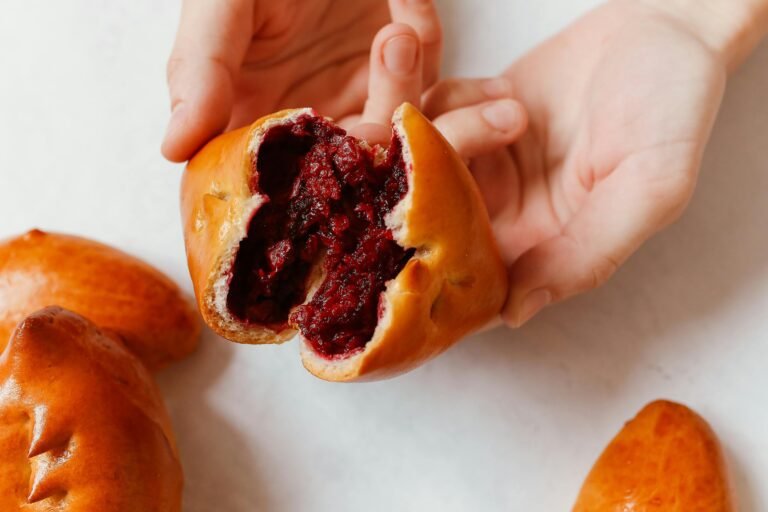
(209,48)
(372,133)
(482,128)
(349,122)
(623,211)
(422,15)
(395,73)
(455,93)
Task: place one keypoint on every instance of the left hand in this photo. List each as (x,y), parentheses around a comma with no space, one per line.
(621,104)
(476,116)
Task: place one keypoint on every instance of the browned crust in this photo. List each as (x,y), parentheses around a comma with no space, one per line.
(455,283)
(114,290)
(215,209)
(667,458)
(82,425)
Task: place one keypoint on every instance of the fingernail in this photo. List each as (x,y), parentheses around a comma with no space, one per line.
(504,115)
(400,54)
(497,87)
(533,303)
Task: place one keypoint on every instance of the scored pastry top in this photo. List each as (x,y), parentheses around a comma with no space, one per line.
(82,424)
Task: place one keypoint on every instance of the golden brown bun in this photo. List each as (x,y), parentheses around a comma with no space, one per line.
(455,283)
(666,459)
(116,291)
(216,207)
(82,425)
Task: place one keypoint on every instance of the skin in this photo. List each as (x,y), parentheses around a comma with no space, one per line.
(620,106)
(236,61)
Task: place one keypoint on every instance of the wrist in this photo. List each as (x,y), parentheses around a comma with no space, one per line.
(731,28)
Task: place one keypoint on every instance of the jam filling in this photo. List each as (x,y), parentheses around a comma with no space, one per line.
(327,201)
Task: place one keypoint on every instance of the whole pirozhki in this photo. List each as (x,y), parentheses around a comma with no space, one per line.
(665,459)
(82,424)
(111,288)
(380,259)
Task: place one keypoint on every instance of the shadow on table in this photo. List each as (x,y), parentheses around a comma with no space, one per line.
(592,345)
(578,355)
(743,483)
(218,466)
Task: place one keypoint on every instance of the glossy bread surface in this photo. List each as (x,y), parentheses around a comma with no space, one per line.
(216,208)
(666,459)
(455,283)
(116,291)
(82,425)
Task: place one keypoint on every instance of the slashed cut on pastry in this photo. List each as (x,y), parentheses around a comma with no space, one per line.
(82,425)
(379,259)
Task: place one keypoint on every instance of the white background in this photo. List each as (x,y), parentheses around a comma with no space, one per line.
(504,421)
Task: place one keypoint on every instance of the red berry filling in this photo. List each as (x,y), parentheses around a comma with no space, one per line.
(327,201)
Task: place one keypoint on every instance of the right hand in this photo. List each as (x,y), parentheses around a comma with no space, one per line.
(621,104)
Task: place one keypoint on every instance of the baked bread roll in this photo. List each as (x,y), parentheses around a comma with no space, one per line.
(666,459)
(380,259)
(82,425)
(114,290)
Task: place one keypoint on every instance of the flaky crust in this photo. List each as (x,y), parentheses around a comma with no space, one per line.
(455,283)
(114,290)
(667,458)
(82,425)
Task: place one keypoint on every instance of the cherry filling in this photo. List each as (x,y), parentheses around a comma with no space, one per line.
(327,201)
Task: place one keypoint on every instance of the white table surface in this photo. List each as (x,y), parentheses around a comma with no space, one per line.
(507,420)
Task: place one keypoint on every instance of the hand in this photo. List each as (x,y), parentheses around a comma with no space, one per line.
(476,116)
(236,60)
(621,105)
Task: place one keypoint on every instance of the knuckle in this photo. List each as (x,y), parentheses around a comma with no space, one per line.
(446,87)
(673,192)
(431,34)
(597,269)
(669,175)
(681,189)
(438,98)
(172,66)
(602,270)
(423,17)
(214,65)
(452,136)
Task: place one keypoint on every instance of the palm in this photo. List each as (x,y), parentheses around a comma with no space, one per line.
(619,112)
(308,53)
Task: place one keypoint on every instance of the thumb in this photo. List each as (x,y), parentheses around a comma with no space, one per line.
(621,212)
(209,49)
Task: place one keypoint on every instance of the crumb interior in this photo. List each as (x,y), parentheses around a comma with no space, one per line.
(327,200)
